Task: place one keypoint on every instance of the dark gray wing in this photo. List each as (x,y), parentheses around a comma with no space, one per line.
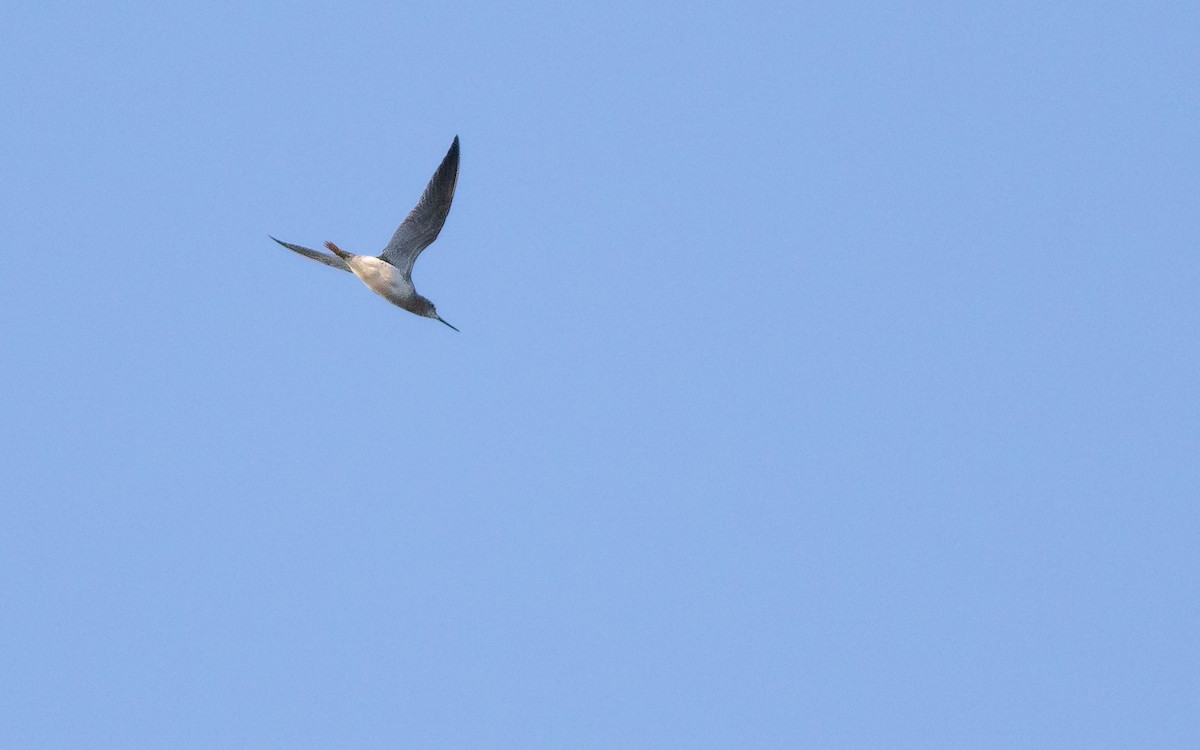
(423,223)
(317,255)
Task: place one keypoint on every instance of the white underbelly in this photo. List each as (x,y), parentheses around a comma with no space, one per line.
(382,278)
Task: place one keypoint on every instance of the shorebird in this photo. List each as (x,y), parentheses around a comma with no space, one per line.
(390,274)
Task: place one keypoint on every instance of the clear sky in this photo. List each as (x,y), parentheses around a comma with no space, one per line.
(827,377)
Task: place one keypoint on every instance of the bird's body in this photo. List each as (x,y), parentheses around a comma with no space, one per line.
(390,274)
(386,280)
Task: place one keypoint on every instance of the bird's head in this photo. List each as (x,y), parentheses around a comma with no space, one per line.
(422,306)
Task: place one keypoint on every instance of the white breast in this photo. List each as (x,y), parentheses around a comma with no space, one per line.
(382,278)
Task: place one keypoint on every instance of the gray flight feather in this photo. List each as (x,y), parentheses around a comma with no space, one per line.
(317,255)
(423,223)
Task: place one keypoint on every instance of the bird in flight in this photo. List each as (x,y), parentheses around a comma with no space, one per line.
(390,274)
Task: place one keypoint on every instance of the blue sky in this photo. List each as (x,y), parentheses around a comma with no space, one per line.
(827,376)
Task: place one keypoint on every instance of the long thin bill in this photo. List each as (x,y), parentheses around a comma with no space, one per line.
(440,318)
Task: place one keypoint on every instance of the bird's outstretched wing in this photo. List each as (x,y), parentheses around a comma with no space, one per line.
(317,255)
(423,223)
